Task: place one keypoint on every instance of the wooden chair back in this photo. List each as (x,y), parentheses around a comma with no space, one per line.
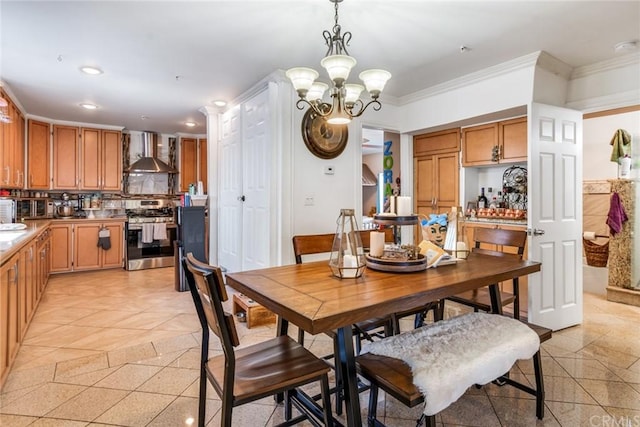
(208,291)
(311,244)
(512,242)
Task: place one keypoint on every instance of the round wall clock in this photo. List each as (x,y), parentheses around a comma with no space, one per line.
(321,138)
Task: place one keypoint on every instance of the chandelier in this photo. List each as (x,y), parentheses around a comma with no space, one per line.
(346,103)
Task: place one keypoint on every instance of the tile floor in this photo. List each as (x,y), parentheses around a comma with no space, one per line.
(121,348)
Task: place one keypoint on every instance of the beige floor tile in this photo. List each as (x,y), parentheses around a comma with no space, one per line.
(106,339)
(63,336)
(520,412)
(89,404)
(614,394)
(587,368)
(194,390)
(508,391)
(82,365)
(54,422)
(176,343)
(635,366)
(15,420)
(25,378)
(550,367)
(608,356)
(162,359)
(136,409)
(37,329)
(471,410)
(145,320)
(172,381)
(564,389)
(42,400)
(190,359)
(128,377)
(103,318)
(86,378)
(576,414)
(55,355)
(62,315)
(250,414)
(187,322)
(130,354)
(183,412)
(621,417)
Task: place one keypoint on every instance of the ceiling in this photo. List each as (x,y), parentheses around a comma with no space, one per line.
(165,60)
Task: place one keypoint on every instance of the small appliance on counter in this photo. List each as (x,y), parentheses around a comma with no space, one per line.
(7,211)
(65,209)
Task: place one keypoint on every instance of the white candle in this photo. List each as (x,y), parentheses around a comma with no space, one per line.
(392,205)
(404,206)
(376,240)
(350,265)
(461,250)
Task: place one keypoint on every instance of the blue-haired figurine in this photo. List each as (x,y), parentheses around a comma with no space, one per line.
(436,228)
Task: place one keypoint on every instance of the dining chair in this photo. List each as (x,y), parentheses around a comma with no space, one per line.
(496,242)
(242,375)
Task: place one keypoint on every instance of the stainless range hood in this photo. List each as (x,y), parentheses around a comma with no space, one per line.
(149,162)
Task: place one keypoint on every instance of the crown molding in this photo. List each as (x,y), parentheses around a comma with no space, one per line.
(608,102)
(525,61)
(554,65)
(600,67)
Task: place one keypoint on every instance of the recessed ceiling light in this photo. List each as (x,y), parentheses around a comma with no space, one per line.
(88,106)
(94,71)
(627,46)
(220,103)
(190,124)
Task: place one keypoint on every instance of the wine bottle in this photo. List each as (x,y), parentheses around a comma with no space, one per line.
(482,200)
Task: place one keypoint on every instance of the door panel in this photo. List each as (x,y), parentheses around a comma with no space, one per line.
(555,189)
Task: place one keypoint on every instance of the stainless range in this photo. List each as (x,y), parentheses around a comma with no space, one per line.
(150,233)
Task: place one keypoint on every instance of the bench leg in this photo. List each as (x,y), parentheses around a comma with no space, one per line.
(537,366)
(372,419)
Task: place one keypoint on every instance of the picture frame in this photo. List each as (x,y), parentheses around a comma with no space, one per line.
(472,206)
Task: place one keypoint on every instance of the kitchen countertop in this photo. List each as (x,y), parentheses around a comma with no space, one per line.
(497,221)
(15,240)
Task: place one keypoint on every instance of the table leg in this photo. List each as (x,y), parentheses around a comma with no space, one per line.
(349,376)
(496,301)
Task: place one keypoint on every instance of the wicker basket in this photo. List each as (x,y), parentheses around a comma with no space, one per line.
(597,255)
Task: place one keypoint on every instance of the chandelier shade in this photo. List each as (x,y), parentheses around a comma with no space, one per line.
(345,98)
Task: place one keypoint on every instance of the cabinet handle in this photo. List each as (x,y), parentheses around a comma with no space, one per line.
(15,274)
(8,175)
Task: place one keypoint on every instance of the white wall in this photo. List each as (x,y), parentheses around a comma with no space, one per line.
(598,132)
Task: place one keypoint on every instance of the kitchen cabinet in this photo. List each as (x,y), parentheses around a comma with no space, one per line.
(43,262)
(38,155)
(436,179)
(494,143)
(446,141)
(100,160)
(86,253)
(65,157)
(193,162)
(61,240)
(9,312)
(27,286)
(12,147)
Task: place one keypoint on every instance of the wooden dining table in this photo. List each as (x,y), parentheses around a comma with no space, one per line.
(310,297)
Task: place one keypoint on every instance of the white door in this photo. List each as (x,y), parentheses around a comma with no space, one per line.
(244,165)
(555,215)
(256,182)
(230,191)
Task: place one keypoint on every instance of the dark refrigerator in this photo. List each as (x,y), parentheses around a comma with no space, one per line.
(191,237)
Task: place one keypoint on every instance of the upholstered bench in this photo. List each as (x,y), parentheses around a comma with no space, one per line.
(437,363)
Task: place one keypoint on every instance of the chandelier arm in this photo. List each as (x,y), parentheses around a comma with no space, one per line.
(376,106)
(321,109)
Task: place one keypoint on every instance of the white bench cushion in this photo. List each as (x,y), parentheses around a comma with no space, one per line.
(449,356)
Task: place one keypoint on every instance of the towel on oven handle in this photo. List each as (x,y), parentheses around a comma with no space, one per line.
(147,233)
(160,231)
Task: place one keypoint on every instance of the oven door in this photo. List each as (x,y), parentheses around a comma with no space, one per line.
(154,254)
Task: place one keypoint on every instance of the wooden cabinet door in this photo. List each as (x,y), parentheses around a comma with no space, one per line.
(8,277)
(86,254)
(38,155)
(111,165)
(445,141)
(425,187)
(90,159)
(65,157)
(18,157)
(113,257)
(478,143)
(61,240)
(202,154)
(27,286)
(513,140)
(447,177)
(13,308)
(188,163)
